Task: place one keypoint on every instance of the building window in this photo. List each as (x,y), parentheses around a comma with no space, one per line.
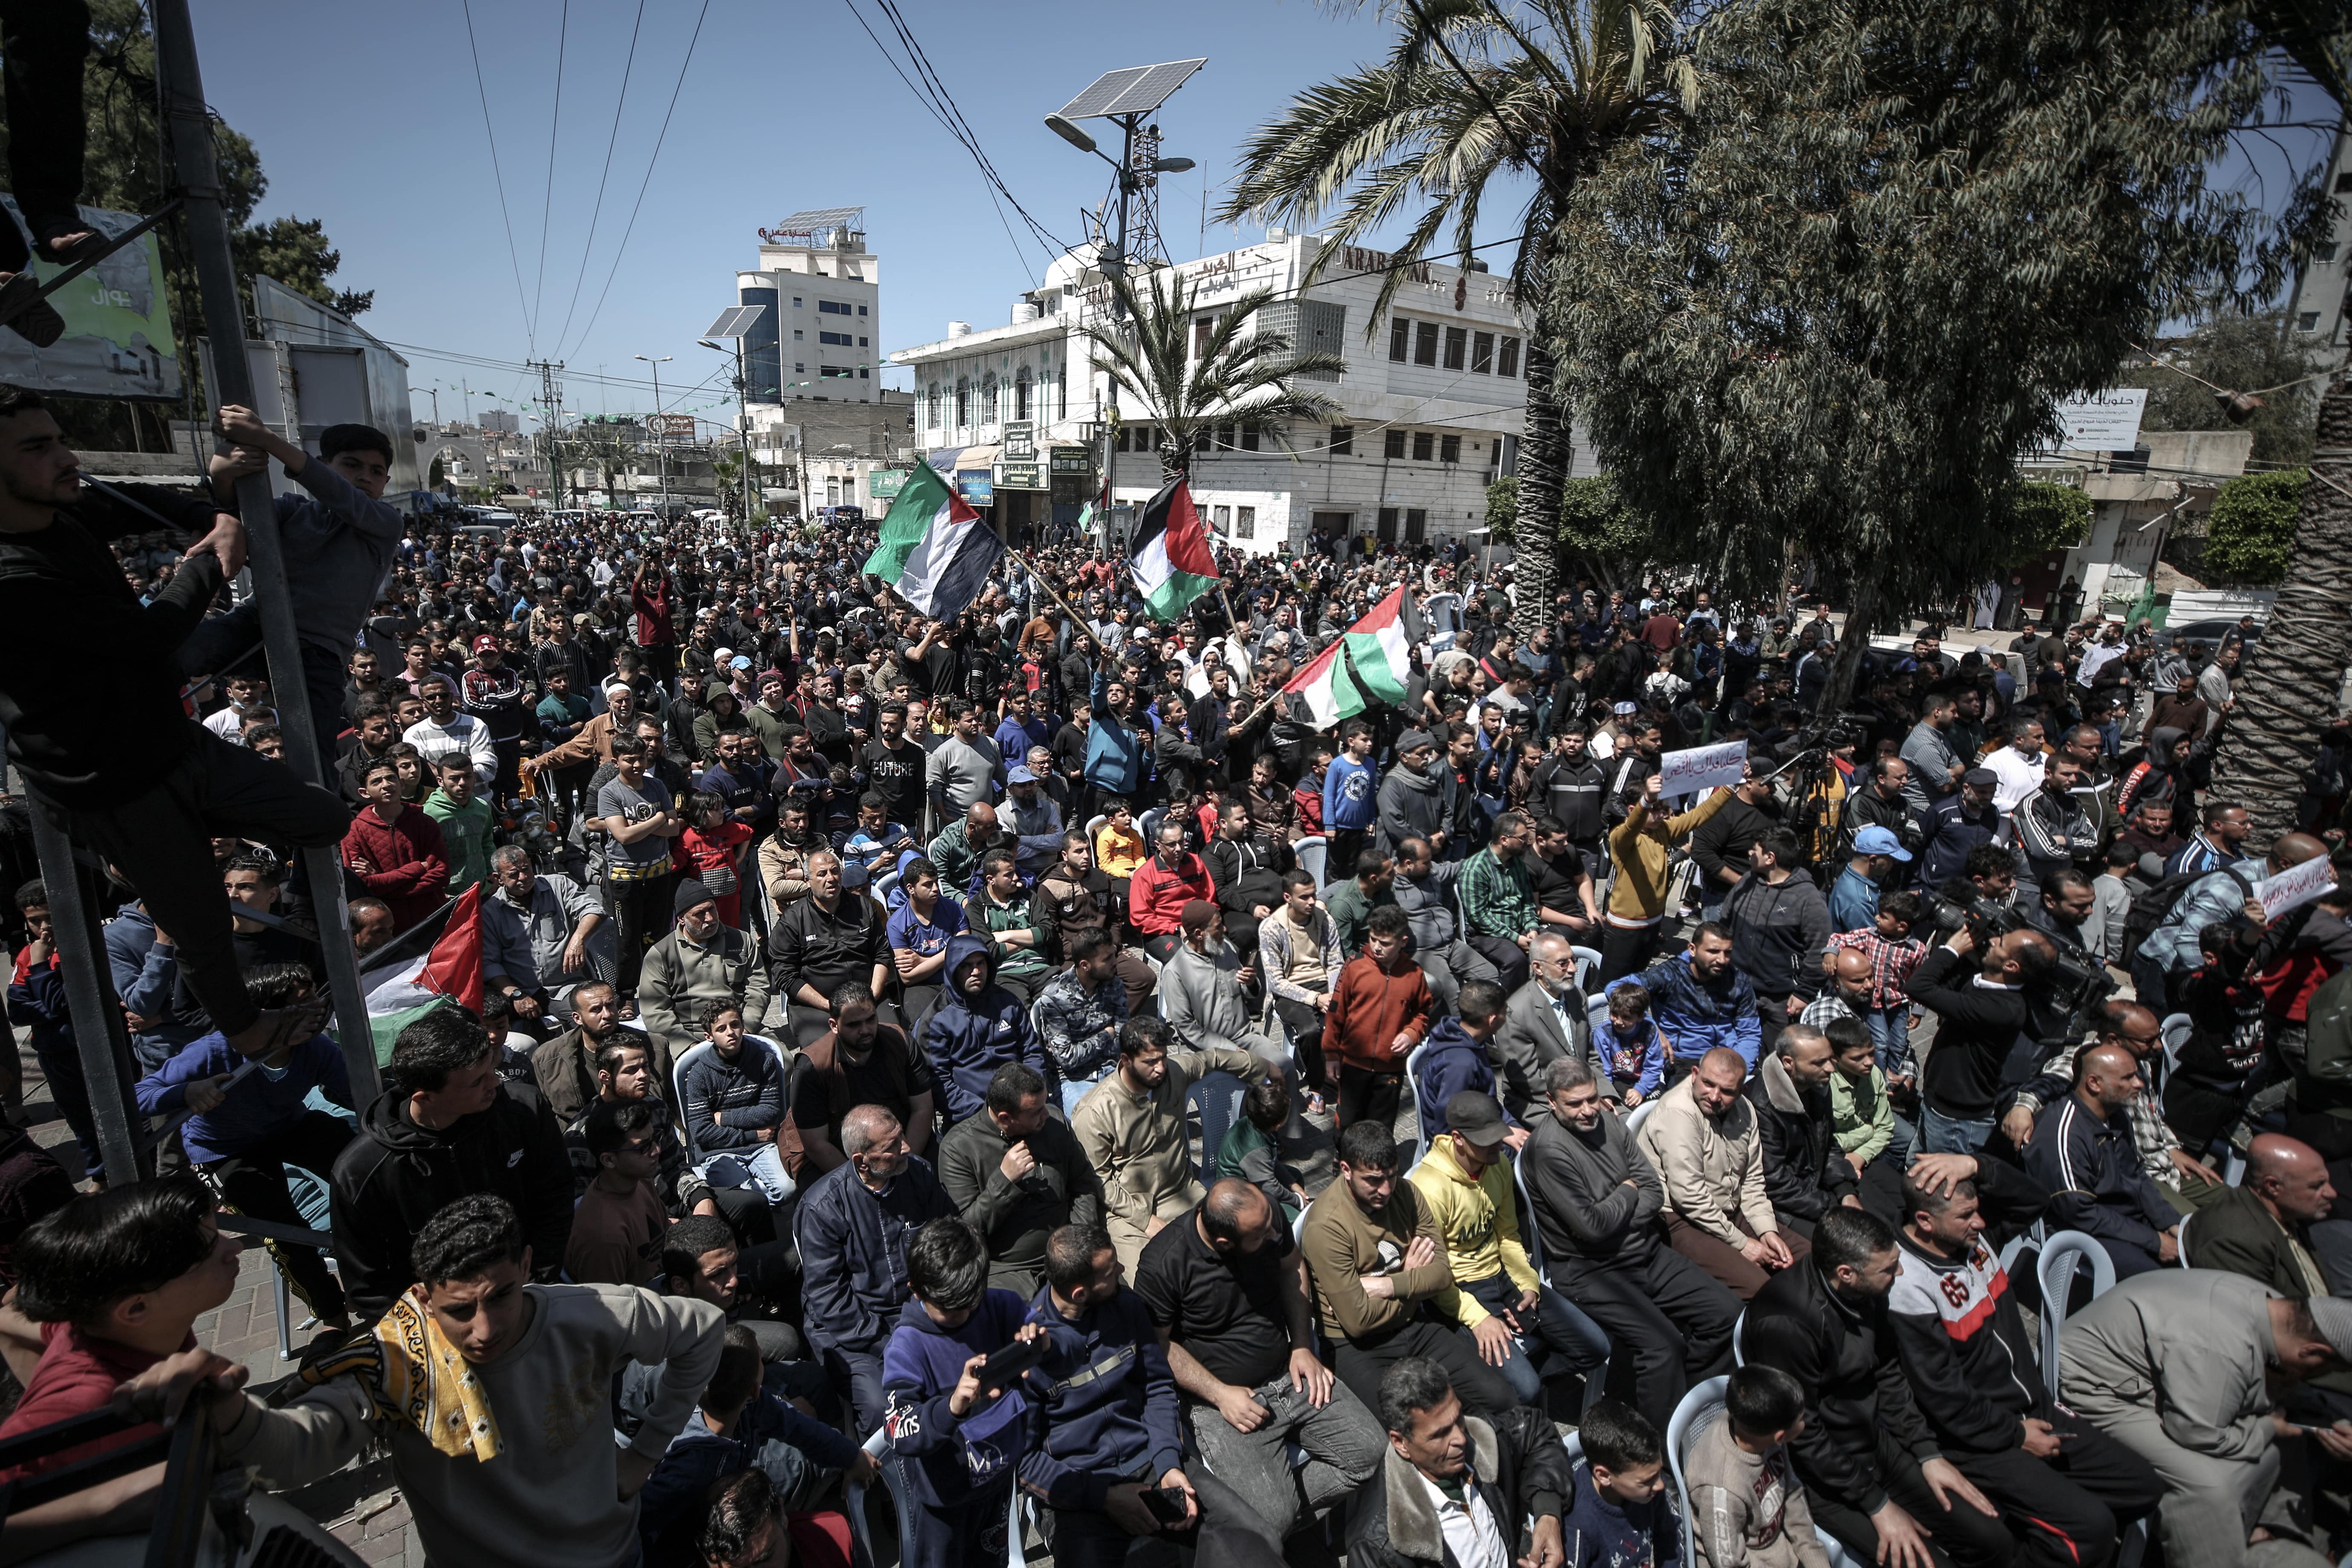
(2307,322)
(797,334)
(1509,363)
(1424,342)
(2324,251)
(863,374)
(1393,444)
(1244,522)
(861,309)
(797,301)
(1482,353)
(1449,450)
(964,405)
(1221,518)
(1021,396)
(1386,525)
(1416,524)
(833,307)
(1457,344)
(863,344)
(1202,327)
(1424,445)
(1343,441)
(798,369)
(1400,335)
(1249,438)
(839,339)
(2343,185)
(991,411)
(833,371)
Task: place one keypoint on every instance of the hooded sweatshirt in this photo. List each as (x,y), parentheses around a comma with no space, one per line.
(1778,933)
(1412,806)
(969,1037)
(1451,1062)
(408,861)
(953,1458)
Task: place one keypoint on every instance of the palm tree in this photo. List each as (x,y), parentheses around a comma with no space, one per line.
(1193,371)
(1474,92)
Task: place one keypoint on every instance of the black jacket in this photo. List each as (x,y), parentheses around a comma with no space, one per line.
(1779,933)
(1843,1357)
(1804,1176)
(1248,872)
(1975,1371)
(1586,1216)
(395,1176)
(1520,1471)
(810,947)
(1978,1028)
(1017,1216)
(1570,792)
(1723,840)
(1864,809)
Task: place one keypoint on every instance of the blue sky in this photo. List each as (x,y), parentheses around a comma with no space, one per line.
(378,130)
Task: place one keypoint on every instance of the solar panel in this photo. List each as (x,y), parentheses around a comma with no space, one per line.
(1137,90)
(818,218)
(735,322)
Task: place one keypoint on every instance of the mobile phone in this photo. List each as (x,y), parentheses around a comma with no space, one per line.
(1006,1363)
(1167,1506)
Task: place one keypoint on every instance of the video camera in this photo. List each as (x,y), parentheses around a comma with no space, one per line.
(2073,982)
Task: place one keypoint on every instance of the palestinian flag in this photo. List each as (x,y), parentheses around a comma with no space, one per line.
(935,550)
(401,992)
(1365,668)
(1172,565)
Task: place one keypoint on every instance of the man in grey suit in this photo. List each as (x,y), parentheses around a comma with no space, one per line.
(1544,1021)
(1423,890)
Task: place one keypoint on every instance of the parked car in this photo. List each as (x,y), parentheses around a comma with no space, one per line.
(2201,637)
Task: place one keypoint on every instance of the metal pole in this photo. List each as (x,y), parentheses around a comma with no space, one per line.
(91,1004)
(207,230)
(743,424)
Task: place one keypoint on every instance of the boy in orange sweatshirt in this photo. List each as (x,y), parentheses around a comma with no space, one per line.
(1380,1011)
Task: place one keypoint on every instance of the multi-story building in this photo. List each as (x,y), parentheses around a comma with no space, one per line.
(1429,402)
(2321,313)
(819,293)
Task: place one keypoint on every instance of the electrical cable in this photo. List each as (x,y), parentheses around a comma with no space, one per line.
(554,126)
(597,210)
(530,331)
(970,136)
(631,228)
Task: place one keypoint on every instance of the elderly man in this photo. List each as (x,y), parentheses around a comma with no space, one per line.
(853,1225)
(958,849)
(2263,1230)
(1544,1021)
(703,960)
(1201,990)
(1132,1126)
(1704,1143)
(2183,1367)
(1035,822)
(548,915)
(1228,1291)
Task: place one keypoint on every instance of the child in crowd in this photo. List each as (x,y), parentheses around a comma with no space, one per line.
(1870,1137)
(712,848)
(1118,848)
(1748,1509)
(961,1443)
(618,1223)
(1618,1516)
(734,1104)
(1631,1046)
(1380,1010)
(1252,1153)
(1894,953)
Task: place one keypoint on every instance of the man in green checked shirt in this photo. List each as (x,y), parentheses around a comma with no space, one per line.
(1498,901)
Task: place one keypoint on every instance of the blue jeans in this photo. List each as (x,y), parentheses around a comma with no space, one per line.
(1890,1031)
(762,1167)
(1557,1323)
(1074,1089)
(1940,1134)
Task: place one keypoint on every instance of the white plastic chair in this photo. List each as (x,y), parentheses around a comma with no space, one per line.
(2061,1256)
(1701,1401)
(1313,856)
(1739,1339)
(1588,961)
(1528,1233)
(677,1097)
(2176,1029)
(2180,1240)
(1641,1114)
(1412,1091)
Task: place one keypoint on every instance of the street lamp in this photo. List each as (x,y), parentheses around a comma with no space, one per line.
(742,415)
(661,434)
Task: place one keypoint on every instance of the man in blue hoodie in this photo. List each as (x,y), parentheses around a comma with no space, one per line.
(956,1446)
(1699,1000)
(1107,1431)
(978,1027)
(1455,1057)
(1115,748)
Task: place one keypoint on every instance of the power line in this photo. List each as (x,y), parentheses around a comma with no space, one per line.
(597,211)
(530,330)
(554,125)
(647,183)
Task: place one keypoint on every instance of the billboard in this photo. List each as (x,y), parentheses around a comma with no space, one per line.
(118,341)
(670,429)
(2103,421)
(884,484)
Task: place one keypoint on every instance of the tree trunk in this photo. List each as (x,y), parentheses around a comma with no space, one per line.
(1541,468)
(2288,686)
(1853,643)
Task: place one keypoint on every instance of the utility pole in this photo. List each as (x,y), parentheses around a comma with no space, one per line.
(197,174)
(435,394)
(551,393)
(660,434)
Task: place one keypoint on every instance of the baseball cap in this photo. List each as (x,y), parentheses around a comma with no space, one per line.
(486,641)
(1877,840)
(739,661)
(1478,1117)
(1982,778)
(2332,1315)
(1020,775)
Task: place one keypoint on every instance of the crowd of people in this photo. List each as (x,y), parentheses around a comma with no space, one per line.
(1023,1058)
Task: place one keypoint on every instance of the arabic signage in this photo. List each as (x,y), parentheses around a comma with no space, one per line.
(1073,460)
(2103,421)
(118,341)
(977,486)
(1020,477)
(1020,441)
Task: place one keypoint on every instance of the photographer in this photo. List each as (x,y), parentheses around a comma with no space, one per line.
(1981,1018)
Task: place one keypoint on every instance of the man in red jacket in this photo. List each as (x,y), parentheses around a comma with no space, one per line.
(395,850)
(1162,886)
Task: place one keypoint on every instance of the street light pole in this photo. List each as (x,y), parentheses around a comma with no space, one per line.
(742,420)
(661,435)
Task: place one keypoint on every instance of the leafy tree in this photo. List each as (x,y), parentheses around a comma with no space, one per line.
(1598,529)
(2251,534)
(2044,519)
(1475,95)
(1793,320)
(2239,354)
(1238,378)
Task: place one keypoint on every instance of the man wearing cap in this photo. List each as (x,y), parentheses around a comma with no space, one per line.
(2184,1367)
(493,694)
(1200,989)
(1958,823)
(1415,798)
(1035,822)
(1464,1180)
(702,960)
(1854,897)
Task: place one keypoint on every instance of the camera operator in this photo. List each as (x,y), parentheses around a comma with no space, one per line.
(1980,1019)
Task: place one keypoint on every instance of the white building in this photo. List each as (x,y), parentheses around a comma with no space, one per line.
(1429,402)
(2321,312)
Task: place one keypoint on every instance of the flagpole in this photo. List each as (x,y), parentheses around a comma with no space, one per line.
(1062,604)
